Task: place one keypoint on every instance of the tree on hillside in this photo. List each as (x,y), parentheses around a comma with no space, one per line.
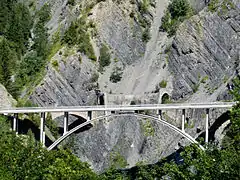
(8,60)
(177,12)
(23,158)
(233,135)
(19,26)
(179,8)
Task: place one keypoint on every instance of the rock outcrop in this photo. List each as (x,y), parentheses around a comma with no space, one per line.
(70,82)
(6,100)
(205,52)
(122,33)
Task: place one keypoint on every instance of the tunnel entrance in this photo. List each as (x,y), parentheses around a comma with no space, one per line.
(166,99)
(100,97)
(101,100)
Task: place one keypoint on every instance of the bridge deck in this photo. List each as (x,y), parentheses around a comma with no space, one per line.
(118,107)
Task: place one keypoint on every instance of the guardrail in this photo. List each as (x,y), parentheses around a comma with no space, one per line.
(118,107)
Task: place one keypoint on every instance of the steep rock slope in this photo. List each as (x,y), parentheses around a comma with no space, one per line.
(123,142)
(205,52)
(70,82)
(115,28)
(6,100)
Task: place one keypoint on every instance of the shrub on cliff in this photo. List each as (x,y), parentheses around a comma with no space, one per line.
(77,34)
(105,57)
(177,12)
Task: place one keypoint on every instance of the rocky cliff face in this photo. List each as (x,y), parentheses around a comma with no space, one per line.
(6,100)
(122,34)
(205,52)
(70,82)
(123,142)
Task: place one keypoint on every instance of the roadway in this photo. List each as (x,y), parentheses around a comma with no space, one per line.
(226,105)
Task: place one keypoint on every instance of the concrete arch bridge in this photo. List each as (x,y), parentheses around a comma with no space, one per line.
(116,111)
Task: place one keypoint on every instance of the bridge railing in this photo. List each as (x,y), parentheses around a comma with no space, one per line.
(118,108)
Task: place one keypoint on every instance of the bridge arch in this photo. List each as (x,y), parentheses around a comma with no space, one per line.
(67,134)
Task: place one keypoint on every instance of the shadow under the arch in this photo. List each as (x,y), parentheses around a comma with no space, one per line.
(26,125)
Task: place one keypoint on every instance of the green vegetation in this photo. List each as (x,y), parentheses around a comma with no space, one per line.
(55,65)
(71,2)
(221,6)
(143,6)
(94,77)
(55,44)
(177,12)
(105,57)
(116,75)
(191,125)
(77,34)
(147,127)
(195,87)
(213,5)
(21,59)
(146,35)
(204,79)
(166,99)
(163,84)
(52,125)
(225,79)
(23,158)
(15,25)
(142,20)
(8,60)
(117,160)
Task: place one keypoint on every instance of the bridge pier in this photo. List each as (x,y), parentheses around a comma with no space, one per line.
(105,103)
(65,128)
(206,125)
(183,119)
(89,117)
(160,114)
(42,128)
(15,123)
